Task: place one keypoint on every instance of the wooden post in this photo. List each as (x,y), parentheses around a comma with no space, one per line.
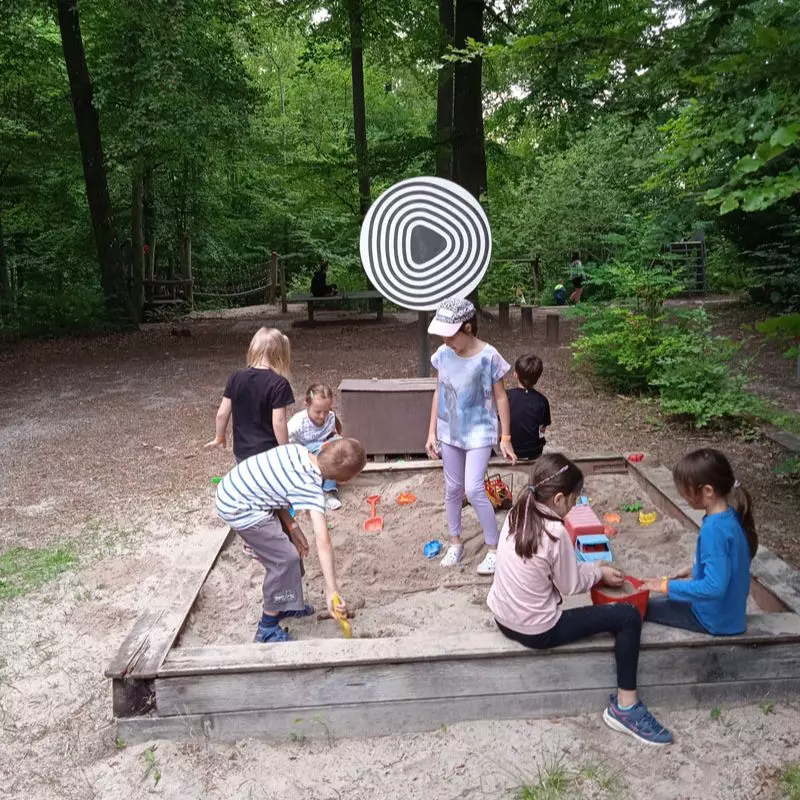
(137,241)
(505,321)
(272,284)
(552,328)
(526,317)
(424,345)
(282,277)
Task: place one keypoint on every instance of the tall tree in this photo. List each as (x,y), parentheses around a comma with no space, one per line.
(109,255)
(444,93)
(355,11)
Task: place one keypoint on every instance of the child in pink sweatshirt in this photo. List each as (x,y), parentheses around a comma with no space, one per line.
(536,566)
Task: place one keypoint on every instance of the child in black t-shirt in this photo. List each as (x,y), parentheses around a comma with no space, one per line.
(530,411)
(257,397)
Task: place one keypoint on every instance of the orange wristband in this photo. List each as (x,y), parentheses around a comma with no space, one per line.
(664,585)
(505,438)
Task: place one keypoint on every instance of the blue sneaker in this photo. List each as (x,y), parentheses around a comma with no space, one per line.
(306,611)
(637,722)
(271,633)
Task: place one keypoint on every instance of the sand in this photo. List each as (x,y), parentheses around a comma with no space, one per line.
(393,589)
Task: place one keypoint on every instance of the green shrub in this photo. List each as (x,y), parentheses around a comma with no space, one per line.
(675,356)
(503,280)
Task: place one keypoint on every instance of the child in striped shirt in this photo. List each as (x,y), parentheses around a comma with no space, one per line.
(254,498)
(315,427)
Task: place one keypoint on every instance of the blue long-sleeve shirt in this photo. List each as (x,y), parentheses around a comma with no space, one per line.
(720,579)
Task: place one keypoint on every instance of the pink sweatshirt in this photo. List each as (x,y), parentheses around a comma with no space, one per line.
(525,594)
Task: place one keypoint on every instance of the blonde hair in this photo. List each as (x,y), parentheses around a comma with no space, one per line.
(270,346)
(318,390)
(342,459)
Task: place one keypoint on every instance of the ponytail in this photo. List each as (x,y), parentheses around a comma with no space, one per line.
(742,504)
(709,467)
(553,473)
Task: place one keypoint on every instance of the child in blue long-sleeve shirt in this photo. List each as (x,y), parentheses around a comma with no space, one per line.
(711,597)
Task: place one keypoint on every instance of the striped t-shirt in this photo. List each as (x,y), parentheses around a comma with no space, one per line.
(279,478)
(303,430)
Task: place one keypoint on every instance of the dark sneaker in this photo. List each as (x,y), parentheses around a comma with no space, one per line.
(306,611)
(271,633)
(637,722)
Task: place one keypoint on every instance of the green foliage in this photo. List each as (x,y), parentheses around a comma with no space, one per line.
(784,329)
(24,569)
(790,781)
(674,355)
(790,466)
(508,281)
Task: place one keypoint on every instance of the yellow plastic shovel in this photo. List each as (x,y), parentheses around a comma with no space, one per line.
(347,630)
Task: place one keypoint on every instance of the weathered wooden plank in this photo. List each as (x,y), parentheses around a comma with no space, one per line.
(147,645)
(601,463)
(762,629)
(778,577)
(430,679)
(377,719)
(782,437)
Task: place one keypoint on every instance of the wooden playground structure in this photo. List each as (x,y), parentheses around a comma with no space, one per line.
(364,687)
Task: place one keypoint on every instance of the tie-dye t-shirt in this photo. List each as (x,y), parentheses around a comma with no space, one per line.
(466,413)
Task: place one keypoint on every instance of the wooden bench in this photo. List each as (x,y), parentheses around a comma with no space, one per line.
(526,319)
(339,299)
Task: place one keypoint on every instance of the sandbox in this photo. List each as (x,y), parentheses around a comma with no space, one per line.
(425,650)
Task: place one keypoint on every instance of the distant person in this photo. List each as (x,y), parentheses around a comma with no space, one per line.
(319,282)
(536,568)
(254,498)
(560,294)
(577,283)
(711,596)
(314,427)
(575,265)
(530,410)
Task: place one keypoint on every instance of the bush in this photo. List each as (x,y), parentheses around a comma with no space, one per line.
(504,280)
(675,356)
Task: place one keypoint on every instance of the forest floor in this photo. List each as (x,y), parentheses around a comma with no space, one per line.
(105,477)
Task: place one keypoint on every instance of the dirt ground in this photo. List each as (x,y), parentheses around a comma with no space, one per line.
(101,441)
(393,589)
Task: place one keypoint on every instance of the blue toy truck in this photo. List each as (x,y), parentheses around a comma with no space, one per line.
(593,547)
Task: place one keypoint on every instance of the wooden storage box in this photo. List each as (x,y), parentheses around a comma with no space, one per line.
(389,417)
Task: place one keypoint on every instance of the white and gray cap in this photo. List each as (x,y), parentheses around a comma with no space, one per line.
(450,316)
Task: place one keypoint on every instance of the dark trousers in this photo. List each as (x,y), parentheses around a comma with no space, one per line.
(664,611)
(621,619)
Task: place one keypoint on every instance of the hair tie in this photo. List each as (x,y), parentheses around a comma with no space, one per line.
(550,477)
(737,485)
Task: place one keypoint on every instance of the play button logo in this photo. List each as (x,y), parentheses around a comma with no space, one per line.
(425,243)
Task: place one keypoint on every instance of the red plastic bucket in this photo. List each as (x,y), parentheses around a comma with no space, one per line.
(637,599)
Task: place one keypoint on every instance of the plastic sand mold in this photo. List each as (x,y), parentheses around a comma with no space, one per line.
(612,518)
(632,507)
(647,518)
(635,458)
(216,480)
(406,498)
(432,549)
(583,500)
(347,630)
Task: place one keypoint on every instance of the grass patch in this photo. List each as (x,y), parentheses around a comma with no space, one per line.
(24,569)
(555,781)
(790,781)
(779,417)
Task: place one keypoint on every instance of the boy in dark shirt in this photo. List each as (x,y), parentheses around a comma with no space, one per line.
(319,282)
(530,411)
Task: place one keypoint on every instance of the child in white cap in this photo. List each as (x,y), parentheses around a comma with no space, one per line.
(463,429)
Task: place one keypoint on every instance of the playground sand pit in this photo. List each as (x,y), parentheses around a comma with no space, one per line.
(388,583)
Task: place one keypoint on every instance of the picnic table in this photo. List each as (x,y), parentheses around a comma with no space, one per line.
(339,299)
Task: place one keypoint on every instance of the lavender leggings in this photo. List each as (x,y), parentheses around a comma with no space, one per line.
(465,470)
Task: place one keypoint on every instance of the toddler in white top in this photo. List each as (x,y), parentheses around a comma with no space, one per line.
(314,428)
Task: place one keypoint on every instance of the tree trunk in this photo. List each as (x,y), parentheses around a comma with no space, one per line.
(137,240)
(112,269)
(5,273)
(356,15)
(149,231)
(469,154)
(444,94)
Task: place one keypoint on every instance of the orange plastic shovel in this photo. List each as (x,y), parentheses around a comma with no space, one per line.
(375,523)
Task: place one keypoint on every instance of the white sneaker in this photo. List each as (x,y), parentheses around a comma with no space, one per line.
(454,554)
(332,502)
(489,564)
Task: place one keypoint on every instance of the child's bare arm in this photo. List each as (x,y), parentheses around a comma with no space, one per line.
(504,412)
(223,415)
(280,425)
(430,445)
(326,560)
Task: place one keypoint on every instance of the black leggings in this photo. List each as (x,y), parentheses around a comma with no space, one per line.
(621,619)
